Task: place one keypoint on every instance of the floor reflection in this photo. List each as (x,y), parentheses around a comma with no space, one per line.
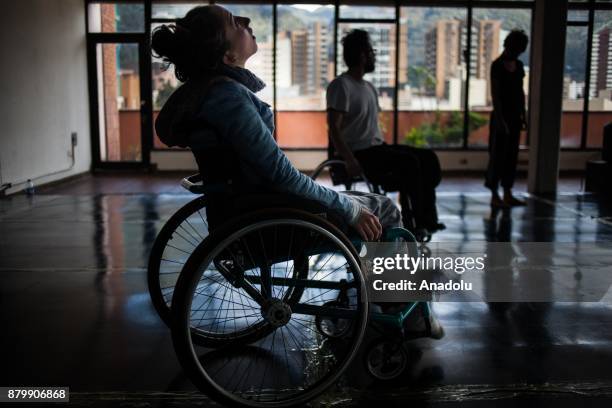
(75,306)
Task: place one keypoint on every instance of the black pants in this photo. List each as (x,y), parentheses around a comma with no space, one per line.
(503,154)
(412,171)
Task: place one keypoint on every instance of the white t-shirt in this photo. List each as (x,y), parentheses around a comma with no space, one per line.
(359,101)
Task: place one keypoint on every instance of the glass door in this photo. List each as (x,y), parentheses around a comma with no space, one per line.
(118,108)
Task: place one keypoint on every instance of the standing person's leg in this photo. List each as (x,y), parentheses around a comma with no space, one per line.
(497,141)
(509,170)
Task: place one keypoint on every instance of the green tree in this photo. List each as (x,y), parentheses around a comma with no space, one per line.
(438,132)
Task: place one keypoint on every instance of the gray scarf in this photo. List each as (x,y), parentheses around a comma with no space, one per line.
(242,75)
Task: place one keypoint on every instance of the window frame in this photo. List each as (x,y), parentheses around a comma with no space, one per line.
(590,6)
(92,39)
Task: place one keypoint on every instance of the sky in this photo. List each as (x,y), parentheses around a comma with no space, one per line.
(308,7)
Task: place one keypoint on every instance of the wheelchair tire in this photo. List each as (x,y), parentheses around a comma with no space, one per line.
(175,242)
(386,359)
(290,362)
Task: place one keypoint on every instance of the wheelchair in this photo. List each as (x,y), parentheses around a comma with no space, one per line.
(271,307)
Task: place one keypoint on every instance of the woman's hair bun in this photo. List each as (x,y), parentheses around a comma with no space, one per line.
(195,44)
(163,42)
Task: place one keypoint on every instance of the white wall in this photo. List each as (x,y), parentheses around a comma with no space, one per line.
(43,90)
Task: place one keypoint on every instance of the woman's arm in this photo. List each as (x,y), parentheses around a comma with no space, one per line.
(496,90)
(232,113)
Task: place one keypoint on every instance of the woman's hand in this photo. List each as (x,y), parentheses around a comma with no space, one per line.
(368,226)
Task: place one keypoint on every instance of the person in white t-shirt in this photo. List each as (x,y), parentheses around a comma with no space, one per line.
(352,116)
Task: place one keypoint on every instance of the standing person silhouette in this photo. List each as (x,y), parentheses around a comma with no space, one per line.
(507,119)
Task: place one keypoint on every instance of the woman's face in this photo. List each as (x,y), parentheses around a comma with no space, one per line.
(241,38)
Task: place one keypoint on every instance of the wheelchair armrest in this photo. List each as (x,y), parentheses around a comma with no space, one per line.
(193,183)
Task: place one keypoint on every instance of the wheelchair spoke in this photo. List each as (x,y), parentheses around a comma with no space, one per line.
(194,230)
(179,249)
(193,244)
(172,261)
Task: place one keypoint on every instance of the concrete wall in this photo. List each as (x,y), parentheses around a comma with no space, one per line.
(43,90)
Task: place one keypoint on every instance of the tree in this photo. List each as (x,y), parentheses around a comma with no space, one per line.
(440,133)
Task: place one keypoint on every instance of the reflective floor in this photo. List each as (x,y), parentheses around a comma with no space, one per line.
(75,310)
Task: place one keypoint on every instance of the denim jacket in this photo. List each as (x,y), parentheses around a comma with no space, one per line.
(240,120)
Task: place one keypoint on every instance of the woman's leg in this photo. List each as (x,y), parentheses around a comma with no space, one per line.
(509,170)
(381,206)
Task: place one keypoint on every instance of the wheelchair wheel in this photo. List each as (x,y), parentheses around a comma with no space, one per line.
(386,359)
(177,239)
(256,298)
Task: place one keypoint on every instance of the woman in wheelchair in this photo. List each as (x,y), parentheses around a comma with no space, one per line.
(229,130)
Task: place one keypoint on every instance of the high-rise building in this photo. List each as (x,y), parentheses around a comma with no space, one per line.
(601,62)
(444,53)
(488,40)
(283,60)
(309,57)
(299,59)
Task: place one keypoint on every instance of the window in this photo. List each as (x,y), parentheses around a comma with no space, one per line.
(434,93)
(489,29)
(600,88)
(172,11)
(367,12)
(431,76)
(304,68)
(118,83)
(574,85)
(108,17)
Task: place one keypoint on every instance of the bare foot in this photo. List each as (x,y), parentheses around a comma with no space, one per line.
(497,202)
(512,201)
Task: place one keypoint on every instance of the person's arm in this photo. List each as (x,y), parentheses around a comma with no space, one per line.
(233,115)
(523,102)
(334,126)
(496,90)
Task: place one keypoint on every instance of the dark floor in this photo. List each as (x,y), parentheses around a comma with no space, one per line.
(75,309)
